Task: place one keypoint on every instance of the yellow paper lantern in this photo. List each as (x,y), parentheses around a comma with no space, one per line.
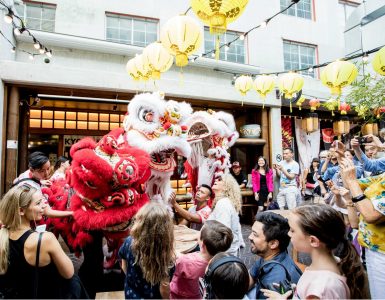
(132,70)
(378,61)
(157,58)
(338,74)
(143,68)
(217,14)
(290,83)
(243,84)
(264,84)
(181,36)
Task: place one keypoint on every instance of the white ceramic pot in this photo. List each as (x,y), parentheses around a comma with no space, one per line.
(250,131)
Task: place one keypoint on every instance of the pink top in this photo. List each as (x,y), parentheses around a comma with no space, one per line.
(188,269)
(256,177)
(322,284)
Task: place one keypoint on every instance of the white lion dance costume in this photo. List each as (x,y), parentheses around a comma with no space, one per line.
(210,135)
(158,127)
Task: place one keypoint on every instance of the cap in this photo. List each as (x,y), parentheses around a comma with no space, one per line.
(236,164)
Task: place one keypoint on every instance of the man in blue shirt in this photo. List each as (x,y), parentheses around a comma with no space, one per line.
(269,240)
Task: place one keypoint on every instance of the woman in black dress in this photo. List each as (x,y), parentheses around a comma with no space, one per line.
(262,180)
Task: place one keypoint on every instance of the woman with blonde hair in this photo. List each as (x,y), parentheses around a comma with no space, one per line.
(226,207)
(32,264)
(148,254)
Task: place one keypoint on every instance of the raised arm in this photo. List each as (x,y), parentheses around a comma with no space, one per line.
(62,262)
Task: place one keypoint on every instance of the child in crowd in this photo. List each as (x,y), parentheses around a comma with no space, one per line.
(148,254)
(226,278)
(319,230)
(214,237)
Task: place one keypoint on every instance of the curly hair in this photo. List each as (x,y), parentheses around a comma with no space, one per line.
(231,191)
(153,242)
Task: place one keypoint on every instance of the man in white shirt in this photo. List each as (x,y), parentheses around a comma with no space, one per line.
(197,214)
(287,171)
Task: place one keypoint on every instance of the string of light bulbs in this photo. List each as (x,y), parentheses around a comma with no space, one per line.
(9,18)
(241,37)
(364,55)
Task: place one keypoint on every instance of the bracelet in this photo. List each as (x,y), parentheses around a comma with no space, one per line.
(358,198)
(350,205)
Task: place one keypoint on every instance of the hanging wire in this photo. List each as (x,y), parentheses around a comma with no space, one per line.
(20,29)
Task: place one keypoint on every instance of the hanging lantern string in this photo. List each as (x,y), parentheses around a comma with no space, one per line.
(242,36)
(14,47)
(346,58)
(20,29)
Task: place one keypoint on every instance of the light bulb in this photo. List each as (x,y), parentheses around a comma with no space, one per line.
(242,37)
(8,18)
(36,45)
(41,50)
(213,54)
(16,31)
(311,69)
(13,50)
(31,57)
(227,47)
(49,53)
(365,58)
(263,24)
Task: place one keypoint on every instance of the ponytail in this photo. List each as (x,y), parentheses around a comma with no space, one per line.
(4,249)
(352,268)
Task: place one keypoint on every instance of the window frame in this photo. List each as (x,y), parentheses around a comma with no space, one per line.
(41,5)
(222,50)
(132,30)
(295,7)
(302,44)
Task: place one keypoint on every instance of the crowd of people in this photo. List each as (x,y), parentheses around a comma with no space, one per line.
(336,215)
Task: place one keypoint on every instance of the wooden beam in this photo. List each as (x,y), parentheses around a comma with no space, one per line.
(12,137)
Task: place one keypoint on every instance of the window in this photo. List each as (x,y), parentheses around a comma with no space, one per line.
(37,16)
(50,119)
(302,9)
(236,52)
(131,30)
(298,56)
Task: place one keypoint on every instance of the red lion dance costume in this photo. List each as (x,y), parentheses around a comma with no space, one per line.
(104,191)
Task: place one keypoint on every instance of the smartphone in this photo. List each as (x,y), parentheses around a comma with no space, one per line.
(364,139)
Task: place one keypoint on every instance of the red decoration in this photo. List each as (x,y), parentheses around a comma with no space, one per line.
(314,104)
(287,132)
(344,108)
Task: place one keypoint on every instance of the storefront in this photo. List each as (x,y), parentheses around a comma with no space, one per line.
(51,120)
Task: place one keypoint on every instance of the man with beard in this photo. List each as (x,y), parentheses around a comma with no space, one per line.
(269,240)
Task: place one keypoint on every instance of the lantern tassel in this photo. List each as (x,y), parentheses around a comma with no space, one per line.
(181,77)
(291,108)
(263,103)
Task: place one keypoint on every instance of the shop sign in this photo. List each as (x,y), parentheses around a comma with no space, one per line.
(69,140)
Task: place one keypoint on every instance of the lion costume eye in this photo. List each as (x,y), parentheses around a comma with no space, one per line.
(146,115)
(129,170)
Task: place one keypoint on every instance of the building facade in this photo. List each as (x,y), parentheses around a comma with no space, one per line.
(83,89)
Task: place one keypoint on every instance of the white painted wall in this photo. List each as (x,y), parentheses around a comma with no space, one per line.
(369,36)
(86,18)
(95,66)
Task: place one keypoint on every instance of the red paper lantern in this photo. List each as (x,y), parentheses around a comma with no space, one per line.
(344,108)
(314,104)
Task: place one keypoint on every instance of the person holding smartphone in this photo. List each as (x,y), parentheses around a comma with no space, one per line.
(287,171)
